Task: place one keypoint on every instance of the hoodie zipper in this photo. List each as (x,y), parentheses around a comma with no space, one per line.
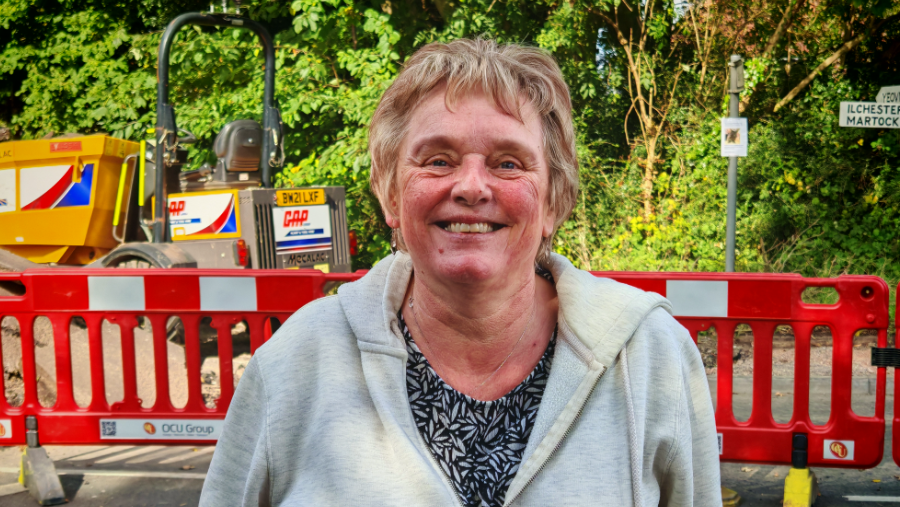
(431,457)
(437,465)
(558,444)
(447,480)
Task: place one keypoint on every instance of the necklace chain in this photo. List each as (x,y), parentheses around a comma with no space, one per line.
(505,359)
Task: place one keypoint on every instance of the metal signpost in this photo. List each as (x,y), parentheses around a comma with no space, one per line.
(736,85)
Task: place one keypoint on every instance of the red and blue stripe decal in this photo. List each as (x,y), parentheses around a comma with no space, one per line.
(299,245)
(65,193)
(227,222)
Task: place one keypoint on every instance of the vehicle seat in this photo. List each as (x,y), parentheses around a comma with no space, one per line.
(239,146)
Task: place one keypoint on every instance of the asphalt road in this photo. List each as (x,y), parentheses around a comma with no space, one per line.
(763,485)
(110,476)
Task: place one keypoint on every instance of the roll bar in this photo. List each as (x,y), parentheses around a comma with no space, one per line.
(167,129)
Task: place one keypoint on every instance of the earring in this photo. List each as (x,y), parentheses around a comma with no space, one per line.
(393,241)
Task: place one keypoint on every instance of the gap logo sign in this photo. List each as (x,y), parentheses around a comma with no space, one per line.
(296,218)
(203,215)
(302,228)
(176,208)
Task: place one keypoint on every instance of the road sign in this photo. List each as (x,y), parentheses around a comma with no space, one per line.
(870,115)
(888,95)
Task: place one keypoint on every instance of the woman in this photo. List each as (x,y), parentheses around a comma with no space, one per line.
(473,367)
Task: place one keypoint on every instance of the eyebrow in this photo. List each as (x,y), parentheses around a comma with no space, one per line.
(431,141)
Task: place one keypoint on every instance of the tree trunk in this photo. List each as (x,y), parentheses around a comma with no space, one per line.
(783,25)
(822,66)
(647,182)
(843,50)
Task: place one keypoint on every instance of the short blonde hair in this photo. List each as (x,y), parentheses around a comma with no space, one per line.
(505,73)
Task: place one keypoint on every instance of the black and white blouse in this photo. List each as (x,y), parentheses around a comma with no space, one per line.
(478,444)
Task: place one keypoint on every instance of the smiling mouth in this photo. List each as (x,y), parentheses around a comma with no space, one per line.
(478,228)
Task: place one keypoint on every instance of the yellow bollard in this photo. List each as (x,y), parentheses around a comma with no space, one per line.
(800,488)
(730,498)
(22,467)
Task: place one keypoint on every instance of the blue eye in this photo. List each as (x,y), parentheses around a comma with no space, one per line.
(439,163)
(507,165)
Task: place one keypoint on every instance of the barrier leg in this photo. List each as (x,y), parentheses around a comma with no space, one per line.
(730,497)
(37,472)
(800,485)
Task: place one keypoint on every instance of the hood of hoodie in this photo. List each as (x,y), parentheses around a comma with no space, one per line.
(599,313)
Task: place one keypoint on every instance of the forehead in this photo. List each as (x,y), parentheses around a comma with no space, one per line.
(472,117)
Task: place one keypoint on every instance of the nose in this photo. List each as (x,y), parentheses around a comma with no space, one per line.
(472,182)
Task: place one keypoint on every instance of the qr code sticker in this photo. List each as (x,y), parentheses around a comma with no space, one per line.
(108,428)
(718,436)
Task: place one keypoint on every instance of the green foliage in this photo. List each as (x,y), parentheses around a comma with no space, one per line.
(813,198)
(333,96)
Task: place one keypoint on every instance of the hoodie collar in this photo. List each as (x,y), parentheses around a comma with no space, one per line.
(597,312)
(371,303)
(601,313)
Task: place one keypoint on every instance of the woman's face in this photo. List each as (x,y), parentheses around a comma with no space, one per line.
(473,190)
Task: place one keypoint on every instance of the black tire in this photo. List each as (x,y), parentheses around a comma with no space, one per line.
(174,327)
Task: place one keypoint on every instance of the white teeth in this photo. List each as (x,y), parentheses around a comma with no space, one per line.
(476,228)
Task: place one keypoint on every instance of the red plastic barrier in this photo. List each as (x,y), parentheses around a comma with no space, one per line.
(764,302)
(121,296)
(895,429)
(699,300)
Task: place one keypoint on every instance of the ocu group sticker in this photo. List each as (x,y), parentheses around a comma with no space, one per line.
(5,428)
(161,429)
(841,450)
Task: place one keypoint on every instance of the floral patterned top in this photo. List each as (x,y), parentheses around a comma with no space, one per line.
(478,444)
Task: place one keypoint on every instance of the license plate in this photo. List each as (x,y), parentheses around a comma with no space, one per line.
(301,197)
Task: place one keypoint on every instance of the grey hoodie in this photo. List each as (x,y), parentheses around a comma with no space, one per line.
(321,415)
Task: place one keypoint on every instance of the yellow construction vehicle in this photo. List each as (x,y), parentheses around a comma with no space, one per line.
(109,202)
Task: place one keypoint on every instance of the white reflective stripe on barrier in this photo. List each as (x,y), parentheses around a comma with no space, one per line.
(689,298)
(217,293)
(698,298)
(227,293)
(116,293)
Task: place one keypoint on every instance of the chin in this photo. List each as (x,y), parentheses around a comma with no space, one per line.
(469,268)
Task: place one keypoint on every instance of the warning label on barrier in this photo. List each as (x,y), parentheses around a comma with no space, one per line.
(160,429)
(838,450)
(5,428)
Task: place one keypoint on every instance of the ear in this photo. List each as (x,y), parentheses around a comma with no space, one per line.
(391,212)
(392,221)
(547,225)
